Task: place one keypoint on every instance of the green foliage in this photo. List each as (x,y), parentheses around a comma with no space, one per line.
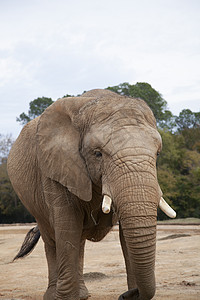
(36,108)
(179,175)
(188,125)
(6,142)
(173,150)
(167,121)
(192,138)
(67,95)
(188,119)
(11,208)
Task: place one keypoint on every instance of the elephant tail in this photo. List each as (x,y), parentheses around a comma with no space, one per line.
(29,243)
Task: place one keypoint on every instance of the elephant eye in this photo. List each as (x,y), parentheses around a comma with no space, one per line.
(97,153)
(158,153)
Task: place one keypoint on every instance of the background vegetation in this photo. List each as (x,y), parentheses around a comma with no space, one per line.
(178,164)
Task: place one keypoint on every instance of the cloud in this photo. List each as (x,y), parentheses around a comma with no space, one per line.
(50,48)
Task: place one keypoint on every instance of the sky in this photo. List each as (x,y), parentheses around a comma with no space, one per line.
(52,48)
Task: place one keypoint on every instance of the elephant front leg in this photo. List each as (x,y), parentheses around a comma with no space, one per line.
(50,251)
(68,278)
(83,291)
(68,231)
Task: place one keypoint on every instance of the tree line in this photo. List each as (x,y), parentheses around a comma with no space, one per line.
(178,164)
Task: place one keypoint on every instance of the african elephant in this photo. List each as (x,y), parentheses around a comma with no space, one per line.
(81,151)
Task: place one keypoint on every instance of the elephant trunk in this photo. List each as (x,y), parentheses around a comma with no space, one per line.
(138,224)
(136,201)
(131,181)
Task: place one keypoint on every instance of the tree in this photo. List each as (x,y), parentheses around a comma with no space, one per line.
(68,95)
(11,208)
(6,142)
(188,119)
(187,198)
(169,165)
(188,125)
(152,97)
(36,108)
(179,175)
(168,121)
(173,151)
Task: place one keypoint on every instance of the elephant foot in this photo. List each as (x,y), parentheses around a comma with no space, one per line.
(83,292)
(130,295)
(50,293)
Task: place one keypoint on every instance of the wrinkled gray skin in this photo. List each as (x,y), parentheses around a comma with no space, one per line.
(63,163)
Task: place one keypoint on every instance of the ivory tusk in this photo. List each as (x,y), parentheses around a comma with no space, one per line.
(106,204)
(166,208)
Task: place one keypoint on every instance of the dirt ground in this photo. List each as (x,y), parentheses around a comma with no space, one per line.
(177,265)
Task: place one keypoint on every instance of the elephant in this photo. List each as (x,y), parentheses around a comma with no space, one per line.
(85,164)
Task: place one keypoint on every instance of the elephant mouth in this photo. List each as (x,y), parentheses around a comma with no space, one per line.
(168,210)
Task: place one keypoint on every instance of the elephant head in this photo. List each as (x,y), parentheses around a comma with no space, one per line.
(110,141)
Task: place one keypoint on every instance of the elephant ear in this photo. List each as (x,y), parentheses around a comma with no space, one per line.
(58,147)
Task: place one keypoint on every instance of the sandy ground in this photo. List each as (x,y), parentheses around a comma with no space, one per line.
(177,265)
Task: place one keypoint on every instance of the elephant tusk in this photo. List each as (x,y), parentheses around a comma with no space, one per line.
(106,204)
(166,208)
